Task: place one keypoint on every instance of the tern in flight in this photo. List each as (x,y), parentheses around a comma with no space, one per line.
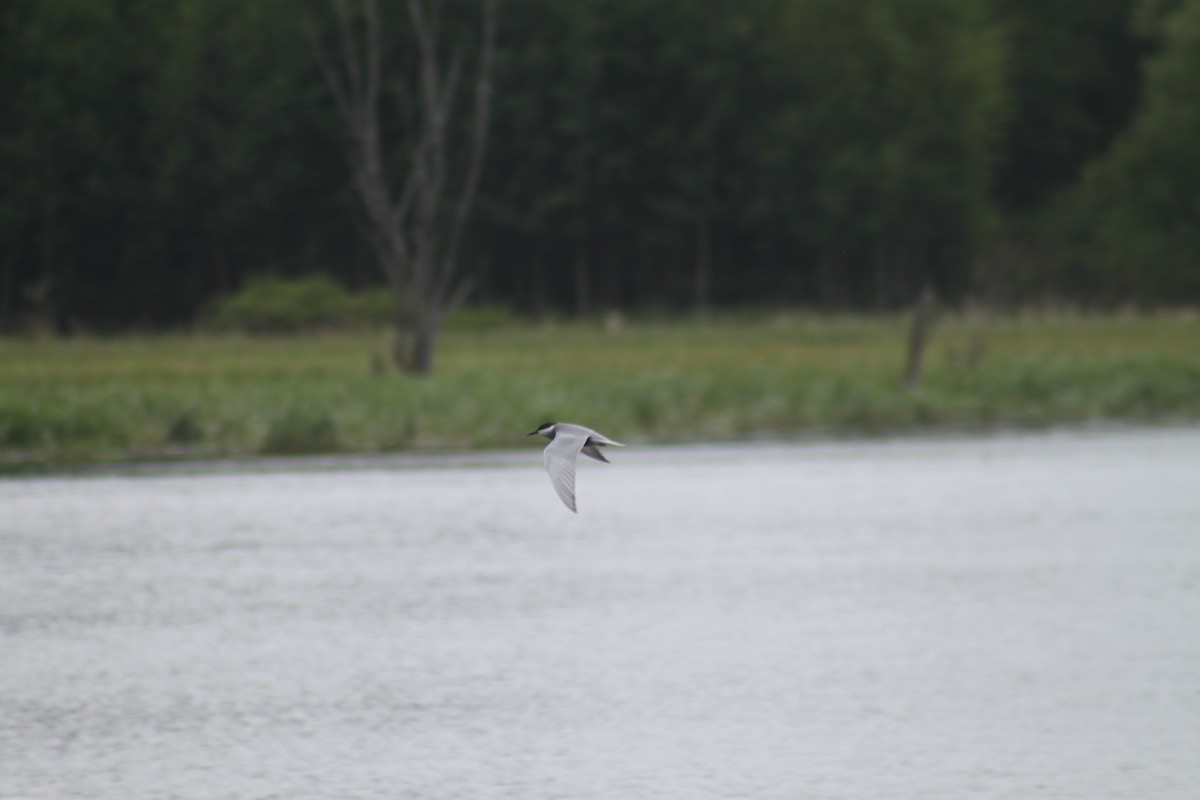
(567,441)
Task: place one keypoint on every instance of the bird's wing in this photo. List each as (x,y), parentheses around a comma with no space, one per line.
(559,457)
(591,451)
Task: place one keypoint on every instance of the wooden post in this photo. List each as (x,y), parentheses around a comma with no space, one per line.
(918,337)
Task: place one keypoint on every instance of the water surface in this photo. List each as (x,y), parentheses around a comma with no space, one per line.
(1001,617)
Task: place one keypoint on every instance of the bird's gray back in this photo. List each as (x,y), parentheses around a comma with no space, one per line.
(572,429)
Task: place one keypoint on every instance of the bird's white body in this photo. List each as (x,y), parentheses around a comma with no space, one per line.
(567,441)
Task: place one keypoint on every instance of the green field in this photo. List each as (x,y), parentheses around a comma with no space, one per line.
(92,399)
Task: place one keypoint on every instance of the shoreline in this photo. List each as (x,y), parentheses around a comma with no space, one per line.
(156,465)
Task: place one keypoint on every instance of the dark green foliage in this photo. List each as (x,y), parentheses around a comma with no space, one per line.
(153,153)
(883,148)
(1074,74)
(660,154)
(1133,223)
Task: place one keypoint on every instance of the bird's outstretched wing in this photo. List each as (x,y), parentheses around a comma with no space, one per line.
(559,457)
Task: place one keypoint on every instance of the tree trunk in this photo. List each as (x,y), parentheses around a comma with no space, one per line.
(918,337)
(424,339)
(400,348)
(413,343)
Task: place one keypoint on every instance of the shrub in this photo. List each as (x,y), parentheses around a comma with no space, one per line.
(293,305)
(481,319)
(277,305)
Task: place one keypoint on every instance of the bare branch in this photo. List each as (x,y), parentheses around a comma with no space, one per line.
(336,87)
(417,14)
(483,94)
(349,52)
(374,58)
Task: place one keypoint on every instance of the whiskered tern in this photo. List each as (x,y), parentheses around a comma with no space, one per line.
(567,441)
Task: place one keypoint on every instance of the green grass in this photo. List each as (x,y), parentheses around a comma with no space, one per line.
(89,399)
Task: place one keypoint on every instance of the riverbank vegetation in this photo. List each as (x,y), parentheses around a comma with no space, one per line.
(727,376)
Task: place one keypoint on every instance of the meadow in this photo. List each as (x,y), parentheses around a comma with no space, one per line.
(91,399)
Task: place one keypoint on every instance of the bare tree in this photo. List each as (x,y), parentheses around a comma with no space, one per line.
(416,227)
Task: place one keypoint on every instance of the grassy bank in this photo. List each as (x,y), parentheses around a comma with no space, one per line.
(65,401)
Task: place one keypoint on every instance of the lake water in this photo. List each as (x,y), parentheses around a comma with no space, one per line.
(1012,616)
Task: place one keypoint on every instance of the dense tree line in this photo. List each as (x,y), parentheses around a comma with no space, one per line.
(673,154)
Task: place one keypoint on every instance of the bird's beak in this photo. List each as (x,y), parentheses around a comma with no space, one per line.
(532,433)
